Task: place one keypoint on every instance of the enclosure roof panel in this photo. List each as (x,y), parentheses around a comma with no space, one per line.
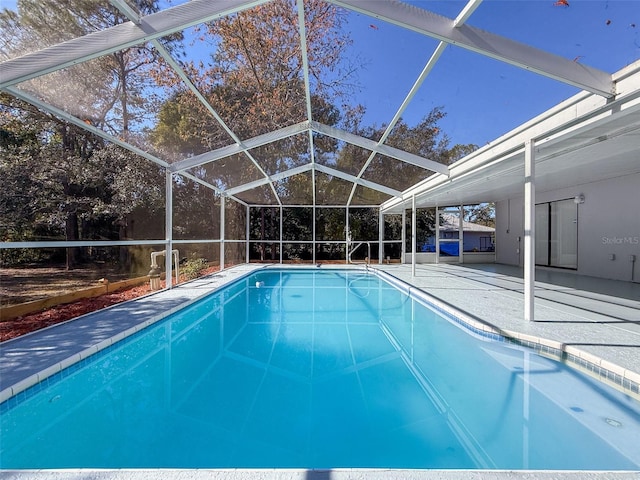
(485,43)
(585,139)
(282,102)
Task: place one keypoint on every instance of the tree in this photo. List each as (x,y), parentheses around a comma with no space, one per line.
(196,210)
(19,139)
(63,181)
(424,139)
(110,92)
(482,214)
(254,81)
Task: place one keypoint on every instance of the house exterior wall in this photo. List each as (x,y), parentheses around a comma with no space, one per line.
(472,240)
(608,225)
(510,231)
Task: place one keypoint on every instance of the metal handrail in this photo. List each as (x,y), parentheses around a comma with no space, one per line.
(349,253)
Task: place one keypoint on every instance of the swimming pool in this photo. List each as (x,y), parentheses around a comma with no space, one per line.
(318,369)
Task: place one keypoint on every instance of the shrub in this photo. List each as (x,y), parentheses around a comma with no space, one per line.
(193,267)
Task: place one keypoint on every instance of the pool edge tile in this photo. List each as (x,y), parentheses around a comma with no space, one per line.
(591,364)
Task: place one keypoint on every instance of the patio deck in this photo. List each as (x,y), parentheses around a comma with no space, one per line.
(600,317)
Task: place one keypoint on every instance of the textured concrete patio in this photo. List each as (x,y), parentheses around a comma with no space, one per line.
(597,316)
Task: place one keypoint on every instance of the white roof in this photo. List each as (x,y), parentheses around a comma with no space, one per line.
(451,222)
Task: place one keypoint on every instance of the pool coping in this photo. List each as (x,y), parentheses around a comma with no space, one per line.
(315,474)
(28,382)
(21,386)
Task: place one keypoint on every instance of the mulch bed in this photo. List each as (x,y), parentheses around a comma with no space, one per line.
(35,321)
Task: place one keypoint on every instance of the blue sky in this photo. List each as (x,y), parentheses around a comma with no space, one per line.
(485,98)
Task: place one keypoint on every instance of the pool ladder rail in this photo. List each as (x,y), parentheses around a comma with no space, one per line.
(350,252)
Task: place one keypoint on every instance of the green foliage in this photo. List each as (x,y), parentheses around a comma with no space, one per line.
(194,267)
(60,182)
(297,223)
(196,210)
(363,224)
(393,227)
(330,224)
(482,214)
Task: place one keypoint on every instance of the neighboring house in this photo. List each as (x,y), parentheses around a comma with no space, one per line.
(476,237)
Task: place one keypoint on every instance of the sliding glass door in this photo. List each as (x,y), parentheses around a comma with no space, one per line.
(557,234)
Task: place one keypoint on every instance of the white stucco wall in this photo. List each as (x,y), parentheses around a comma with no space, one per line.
(608,224)
(509,231)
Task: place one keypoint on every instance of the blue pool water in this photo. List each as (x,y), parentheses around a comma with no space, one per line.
(318,369)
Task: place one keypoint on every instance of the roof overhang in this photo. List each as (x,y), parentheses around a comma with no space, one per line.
(582,140)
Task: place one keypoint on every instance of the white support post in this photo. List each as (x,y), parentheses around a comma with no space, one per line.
(529,229)
(414,229)
(403,254)
(168,228)
(313,232)
(437,235)
(281,245)
(461,235)
(222,221)
(380,236)
(247,224)
(347,235)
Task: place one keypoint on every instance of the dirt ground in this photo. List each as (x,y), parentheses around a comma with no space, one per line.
(35,321)
(19,285)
